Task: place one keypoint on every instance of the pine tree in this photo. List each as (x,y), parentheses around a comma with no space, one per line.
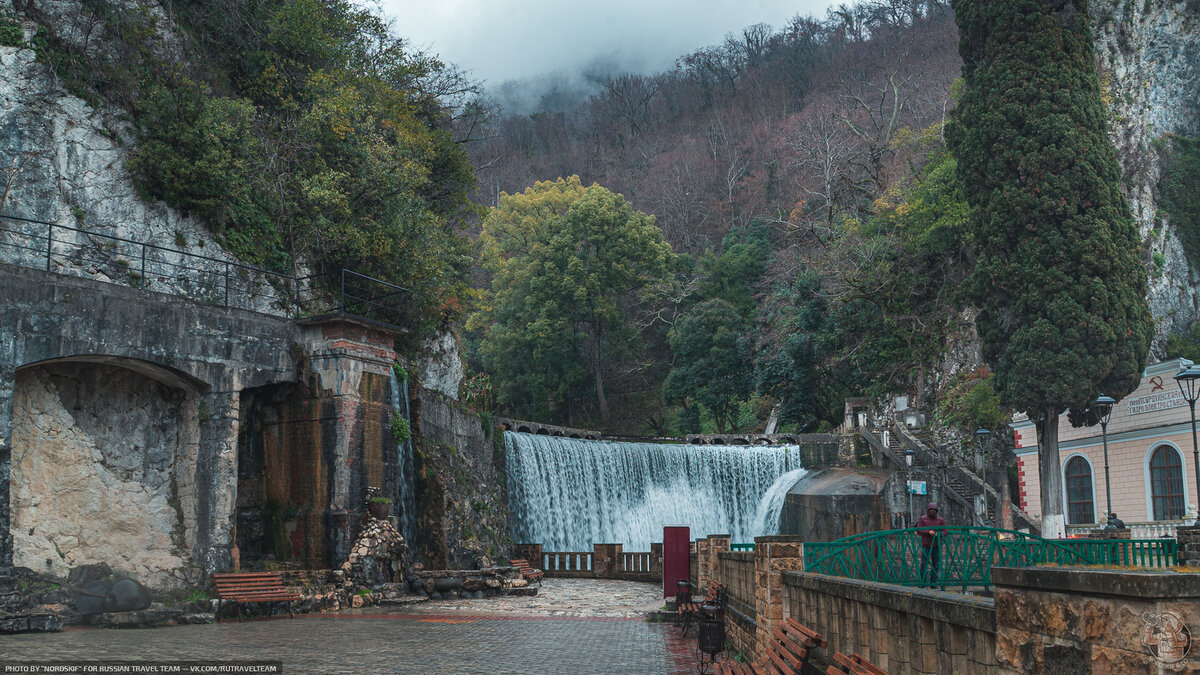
(1058,275)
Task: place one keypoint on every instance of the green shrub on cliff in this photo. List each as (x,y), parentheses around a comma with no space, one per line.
(298,131)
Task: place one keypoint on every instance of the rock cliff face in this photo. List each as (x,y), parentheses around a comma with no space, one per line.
(1148,54)
(101,456)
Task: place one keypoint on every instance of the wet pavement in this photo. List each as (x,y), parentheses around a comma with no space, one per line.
(571,626)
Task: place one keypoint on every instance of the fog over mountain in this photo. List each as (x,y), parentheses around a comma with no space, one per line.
(535,54)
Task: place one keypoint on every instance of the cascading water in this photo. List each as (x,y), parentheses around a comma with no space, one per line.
(770,507)
(404,463)
(567,494)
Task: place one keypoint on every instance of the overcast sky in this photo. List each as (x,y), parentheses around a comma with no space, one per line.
(500,40)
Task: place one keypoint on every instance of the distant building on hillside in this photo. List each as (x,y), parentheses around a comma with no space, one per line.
(1151,467)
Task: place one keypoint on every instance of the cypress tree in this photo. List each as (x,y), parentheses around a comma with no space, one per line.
(1058,276)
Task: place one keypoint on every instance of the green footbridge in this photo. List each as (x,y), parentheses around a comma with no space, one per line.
(968,554)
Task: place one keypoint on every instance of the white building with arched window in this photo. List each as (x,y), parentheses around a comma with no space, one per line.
(1151,463)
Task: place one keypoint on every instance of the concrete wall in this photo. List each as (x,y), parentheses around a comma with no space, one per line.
(901,630)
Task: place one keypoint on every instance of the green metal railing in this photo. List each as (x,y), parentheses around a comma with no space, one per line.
(967,555)
(742,547)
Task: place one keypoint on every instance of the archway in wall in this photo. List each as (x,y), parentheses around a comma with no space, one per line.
(103,468)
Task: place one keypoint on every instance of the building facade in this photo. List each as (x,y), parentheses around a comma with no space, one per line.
(1150,458)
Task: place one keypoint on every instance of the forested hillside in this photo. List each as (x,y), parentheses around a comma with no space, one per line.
(800,174)
(802,178)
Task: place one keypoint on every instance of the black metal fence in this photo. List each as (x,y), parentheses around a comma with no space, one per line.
(69,250)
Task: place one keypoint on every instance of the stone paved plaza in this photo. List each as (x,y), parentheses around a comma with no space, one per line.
(572,626)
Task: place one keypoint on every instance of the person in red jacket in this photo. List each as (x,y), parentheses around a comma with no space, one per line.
(930,551)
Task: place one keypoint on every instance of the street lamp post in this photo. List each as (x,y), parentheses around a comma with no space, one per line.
(981,440)
(908,459)
(1103,406)
(1188,387)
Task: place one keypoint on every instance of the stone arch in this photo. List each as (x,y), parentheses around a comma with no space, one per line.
(167,375)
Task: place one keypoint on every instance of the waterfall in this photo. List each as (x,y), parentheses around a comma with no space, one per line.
(567,494)
(770,507)
(404,463)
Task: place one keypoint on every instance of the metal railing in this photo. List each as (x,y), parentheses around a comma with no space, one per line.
(967,555)
(742,547)
(69,250)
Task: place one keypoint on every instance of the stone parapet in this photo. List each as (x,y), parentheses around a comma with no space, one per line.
(899,629)
(1068,620)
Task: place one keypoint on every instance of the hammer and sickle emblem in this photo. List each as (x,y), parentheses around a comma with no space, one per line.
(1157,382)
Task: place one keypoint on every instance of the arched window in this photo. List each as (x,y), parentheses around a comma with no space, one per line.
(1166,484)
(1080,509)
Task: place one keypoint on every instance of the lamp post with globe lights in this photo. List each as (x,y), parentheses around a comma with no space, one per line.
(1103,406)
(908,460)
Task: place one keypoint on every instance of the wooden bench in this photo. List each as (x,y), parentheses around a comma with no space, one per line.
(714,596)
(787,653)
(528,573)
(853,665)
(240,587)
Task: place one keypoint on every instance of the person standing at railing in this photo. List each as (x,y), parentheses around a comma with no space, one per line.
(931,555)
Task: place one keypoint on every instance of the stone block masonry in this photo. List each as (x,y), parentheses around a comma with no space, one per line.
(737,573)
(902,630)
(1062,621)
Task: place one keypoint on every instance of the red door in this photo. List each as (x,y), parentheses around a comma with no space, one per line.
(677,546)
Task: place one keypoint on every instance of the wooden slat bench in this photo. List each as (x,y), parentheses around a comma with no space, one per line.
(528,573)
(787,653)
(853,665)
(240,587)
(690,611)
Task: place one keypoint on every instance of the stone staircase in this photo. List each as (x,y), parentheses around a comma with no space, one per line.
(892,440)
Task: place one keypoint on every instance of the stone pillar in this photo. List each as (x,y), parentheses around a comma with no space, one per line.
(703,567)
(353,364)
(716,544)
(656,560)
(7,379)
(216,479)
(606,560)
(1187,537)
(530,552)
(773,555)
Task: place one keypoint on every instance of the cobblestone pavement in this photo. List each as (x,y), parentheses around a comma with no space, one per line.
(567,597)
(571,629)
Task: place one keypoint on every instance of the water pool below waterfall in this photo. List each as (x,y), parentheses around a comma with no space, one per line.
(567,494)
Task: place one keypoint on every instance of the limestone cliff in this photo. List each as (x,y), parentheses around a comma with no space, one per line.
(1148,55)
(63,161)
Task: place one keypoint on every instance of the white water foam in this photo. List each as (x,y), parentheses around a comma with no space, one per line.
(567,494)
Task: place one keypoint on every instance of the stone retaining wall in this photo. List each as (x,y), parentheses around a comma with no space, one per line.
(901,630)
(1071,620)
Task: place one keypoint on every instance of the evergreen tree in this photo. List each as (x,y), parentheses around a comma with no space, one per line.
(1058,277)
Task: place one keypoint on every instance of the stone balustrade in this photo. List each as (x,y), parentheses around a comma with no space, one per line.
(604,561)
